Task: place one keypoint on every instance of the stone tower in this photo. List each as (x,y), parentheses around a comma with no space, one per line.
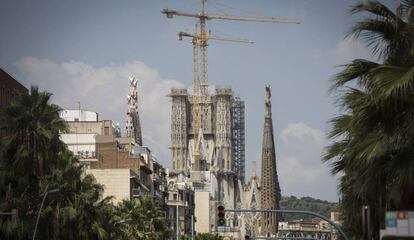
(133,125)
(270,189)
(207,148)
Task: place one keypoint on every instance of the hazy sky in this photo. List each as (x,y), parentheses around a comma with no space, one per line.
(84,50)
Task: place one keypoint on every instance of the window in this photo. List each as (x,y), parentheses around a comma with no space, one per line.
(181,196)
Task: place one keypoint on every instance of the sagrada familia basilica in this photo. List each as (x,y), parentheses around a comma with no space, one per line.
(208,155)
(208,143)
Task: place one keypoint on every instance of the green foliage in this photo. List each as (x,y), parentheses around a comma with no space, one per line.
(309,204)
(140,218)
(34,160)
(373,139)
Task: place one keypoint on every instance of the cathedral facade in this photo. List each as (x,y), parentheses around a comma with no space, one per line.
(207,147)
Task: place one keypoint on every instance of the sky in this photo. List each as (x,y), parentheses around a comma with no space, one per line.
(84,50)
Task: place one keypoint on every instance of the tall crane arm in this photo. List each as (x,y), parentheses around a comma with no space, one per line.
(252,19)
(170,13)
(213,37)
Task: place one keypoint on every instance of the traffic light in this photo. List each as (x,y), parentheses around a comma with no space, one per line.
(220,215)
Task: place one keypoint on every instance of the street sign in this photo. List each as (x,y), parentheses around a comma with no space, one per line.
(399,223)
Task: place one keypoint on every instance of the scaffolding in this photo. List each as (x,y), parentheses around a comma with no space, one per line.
(238,138)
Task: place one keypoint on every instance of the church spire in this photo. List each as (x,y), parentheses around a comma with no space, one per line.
(133,125)
(270,192)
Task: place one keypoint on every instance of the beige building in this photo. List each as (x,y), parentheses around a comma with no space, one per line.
(119,183)
(180,203)
(122,164)
(202,212)
(112,158)
(83,129)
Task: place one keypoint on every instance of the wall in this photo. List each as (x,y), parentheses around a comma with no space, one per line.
(78,115)
(116,182)
(9,89)
(202,213)
(112,156)
(101,127)
(82,145)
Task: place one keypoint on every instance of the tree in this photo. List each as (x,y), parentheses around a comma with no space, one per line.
(34,127)
(373,138)
(141,218)
(37,160)
(77,212)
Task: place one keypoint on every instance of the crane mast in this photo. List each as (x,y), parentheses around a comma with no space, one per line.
(200,75)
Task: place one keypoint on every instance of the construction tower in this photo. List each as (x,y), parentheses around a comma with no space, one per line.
(207,127)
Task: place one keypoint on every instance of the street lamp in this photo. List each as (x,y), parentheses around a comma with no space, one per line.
(41,206)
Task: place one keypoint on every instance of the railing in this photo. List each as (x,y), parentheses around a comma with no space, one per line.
(337,227)
(305,229)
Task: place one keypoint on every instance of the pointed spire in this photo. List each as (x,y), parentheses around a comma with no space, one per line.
(268,103)
(270,189)
(254,170)
(133,125)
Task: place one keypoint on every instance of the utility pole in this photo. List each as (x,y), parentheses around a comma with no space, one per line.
(192,227)
(40,210)
(178,225)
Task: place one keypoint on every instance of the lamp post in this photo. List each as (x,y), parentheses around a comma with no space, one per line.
(41,206)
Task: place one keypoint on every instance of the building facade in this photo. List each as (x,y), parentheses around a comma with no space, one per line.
(207,147)
(9,89)
(250,223)
(125,167)
(180,203)
(84,127)
(119,183)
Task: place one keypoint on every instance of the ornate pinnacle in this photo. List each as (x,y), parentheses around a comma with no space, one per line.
(268,103)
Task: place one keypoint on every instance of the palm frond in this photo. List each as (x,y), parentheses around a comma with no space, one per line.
(356,70)
(375,8)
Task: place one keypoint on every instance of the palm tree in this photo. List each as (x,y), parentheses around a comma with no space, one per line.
(373,139)
(78,211)
(141,218)
(34,124)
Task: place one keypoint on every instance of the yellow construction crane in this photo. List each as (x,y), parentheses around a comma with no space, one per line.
(200,40)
